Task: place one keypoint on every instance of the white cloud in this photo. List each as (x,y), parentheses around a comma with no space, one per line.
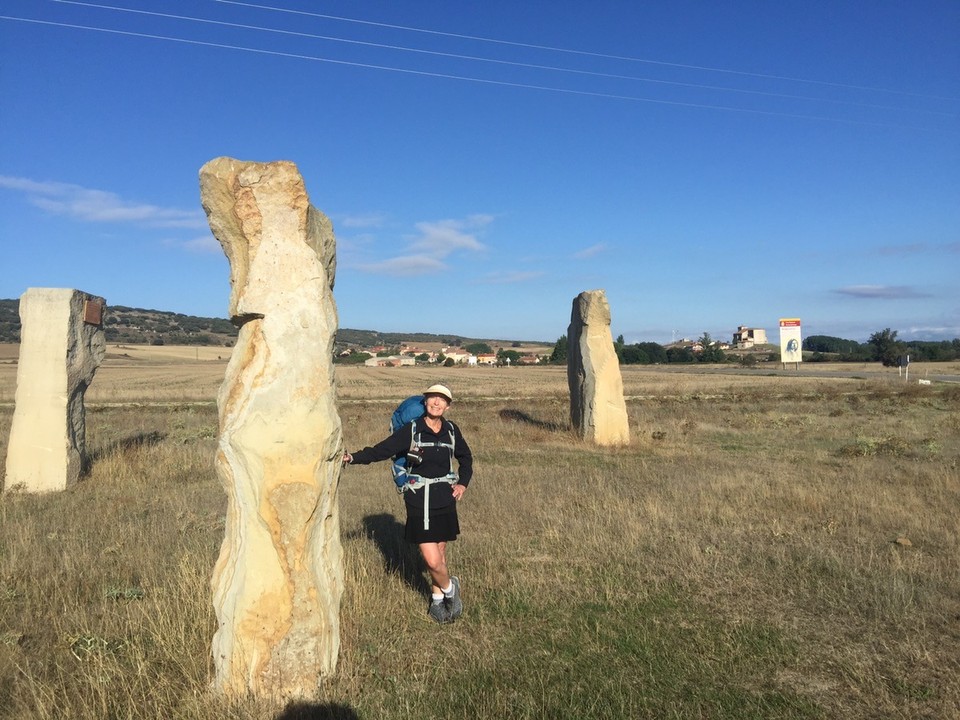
(407,265)
(880,292)
(590,251)
(203,245)
(435,241)
(89,205)
(442,237)
(935,332)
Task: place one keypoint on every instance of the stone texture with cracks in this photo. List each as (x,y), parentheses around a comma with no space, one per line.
(61,346)
(278,581)
(597,407)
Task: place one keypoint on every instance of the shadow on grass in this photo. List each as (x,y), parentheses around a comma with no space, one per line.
(399,556)
(520,416)
(122,445)
(317,711)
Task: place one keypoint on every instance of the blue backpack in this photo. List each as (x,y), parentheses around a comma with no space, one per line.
(409,410)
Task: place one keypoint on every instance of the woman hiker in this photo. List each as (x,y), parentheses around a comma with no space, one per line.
(431,445)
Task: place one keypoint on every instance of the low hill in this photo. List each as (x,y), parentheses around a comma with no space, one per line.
(157,327)
(138,326)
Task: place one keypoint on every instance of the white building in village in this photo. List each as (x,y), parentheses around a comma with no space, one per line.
(746,337)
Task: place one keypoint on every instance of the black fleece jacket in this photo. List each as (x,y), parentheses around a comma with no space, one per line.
(436,460)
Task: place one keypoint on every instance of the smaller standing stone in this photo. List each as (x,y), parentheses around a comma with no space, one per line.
(597,408)
(61,346)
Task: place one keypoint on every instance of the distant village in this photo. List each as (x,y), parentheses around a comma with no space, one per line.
(403,354)
(409,354)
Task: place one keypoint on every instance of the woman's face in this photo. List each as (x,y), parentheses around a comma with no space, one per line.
(436,405)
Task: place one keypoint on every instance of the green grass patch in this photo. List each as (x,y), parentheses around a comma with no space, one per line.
(624,656)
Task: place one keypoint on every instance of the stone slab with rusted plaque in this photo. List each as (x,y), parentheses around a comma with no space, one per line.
(93,312)
(62,344)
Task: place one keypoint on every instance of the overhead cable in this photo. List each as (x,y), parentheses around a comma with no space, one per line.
(511,63)
(572,51)
(465,78)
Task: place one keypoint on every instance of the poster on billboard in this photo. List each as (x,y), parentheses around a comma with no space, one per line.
(790,341)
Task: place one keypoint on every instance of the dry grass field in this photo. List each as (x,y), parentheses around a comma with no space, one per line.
(768,546)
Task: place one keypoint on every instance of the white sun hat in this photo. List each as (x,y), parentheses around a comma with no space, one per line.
(439,390)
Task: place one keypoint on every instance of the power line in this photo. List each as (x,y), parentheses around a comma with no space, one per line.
(424,73)
(586,53)
(533,66)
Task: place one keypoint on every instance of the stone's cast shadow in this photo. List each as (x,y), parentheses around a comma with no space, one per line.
(399,556)
(317,711)
(520,416)
(133,442)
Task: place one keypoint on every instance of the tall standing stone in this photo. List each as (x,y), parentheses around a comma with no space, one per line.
(278,581)
(597,408)
(61,346)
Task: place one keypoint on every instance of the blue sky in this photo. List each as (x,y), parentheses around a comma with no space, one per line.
(708,164)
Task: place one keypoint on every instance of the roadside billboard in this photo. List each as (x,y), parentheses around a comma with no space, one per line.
(790,341)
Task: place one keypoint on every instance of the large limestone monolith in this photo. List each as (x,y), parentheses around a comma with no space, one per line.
(279,578)
(61,346)
(597,409)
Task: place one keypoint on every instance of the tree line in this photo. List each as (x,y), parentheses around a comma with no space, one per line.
(883,346)
(651,353)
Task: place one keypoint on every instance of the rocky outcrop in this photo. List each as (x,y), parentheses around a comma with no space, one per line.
(597,409)
(278,581)
(61,346)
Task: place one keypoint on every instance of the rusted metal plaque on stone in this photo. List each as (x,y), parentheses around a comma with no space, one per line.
(92,312)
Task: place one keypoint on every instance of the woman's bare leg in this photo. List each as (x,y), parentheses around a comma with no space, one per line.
(435,556)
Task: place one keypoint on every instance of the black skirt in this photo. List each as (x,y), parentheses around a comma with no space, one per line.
(444,525)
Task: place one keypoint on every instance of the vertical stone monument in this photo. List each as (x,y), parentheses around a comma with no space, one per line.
(597,409)
(278,580)
(61,346)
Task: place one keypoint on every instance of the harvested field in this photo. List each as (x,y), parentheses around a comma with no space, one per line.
(767,546)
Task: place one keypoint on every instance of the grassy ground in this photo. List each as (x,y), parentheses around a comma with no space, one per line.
(766,547)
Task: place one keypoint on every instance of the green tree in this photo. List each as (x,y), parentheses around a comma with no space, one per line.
(711,352)
(559,354)
(680,355)
(830,344)
(478,348)
(633,355)
(655,351)
(618,345)
(511,356)
(886,347)
(354,358)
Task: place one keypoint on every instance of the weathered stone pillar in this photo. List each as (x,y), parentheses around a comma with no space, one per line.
(61,346)
(597,409)
(279,578)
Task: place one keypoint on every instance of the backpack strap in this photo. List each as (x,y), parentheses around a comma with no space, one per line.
(425,483)
(399,466)
(416,481)
(451,446)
